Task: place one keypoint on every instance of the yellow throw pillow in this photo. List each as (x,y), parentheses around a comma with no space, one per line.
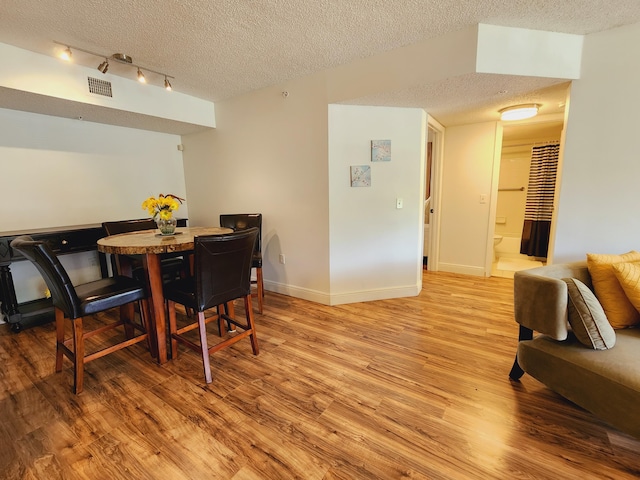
(628,274)
(619,310)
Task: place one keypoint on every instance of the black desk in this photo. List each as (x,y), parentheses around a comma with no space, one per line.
(63,240)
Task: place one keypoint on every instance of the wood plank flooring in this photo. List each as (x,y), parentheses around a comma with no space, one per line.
(406,388)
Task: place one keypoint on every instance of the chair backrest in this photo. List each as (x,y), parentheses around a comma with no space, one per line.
(55,276)
(126,226)
(222,266)
(242,221)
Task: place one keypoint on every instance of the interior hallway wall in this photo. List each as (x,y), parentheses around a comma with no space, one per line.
(469,156)
(271,154)
(599,182)
(268,155)
(376,248)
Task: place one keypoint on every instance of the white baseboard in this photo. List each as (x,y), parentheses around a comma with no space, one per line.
(297,292)
(463,269)
(342,298)
(370,295)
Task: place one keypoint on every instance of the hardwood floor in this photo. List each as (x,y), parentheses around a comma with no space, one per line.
(405,388)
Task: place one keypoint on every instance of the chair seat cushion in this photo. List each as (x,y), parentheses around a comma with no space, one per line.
(108,293)
(181,291)
(256,260)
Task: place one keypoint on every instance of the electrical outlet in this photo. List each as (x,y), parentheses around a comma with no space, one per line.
(483,198)
(399,202)
(282,259)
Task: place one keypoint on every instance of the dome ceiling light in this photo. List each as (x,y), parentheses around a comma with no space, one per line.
(519,112)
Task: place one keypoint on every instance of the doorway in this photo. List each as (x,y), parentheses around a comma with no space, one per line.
(433,181)
(518,142)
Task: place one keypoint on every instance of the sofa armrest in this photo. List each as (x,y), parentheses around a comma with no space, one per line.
(540,297)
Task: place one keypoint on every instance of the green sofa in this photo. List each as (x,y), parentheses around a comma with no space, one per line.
(604,382)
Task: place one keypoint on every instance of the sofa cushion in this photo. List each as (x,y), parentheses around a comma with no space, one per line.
(587,318)
(619,310)
(628,274)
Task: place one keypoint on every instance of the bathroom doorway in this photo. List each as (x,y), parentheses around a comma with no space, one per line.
(518,141)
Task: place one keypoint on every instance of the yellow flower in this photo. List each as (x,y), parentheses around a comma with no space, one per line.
(163,206)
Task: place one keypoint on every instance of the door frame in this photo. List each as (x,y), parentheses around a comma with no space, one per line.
(496,179)
(437,154)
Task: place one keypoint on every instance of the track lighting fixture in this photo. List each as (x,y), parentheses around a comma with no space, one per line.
(119,58)
(104,66)
(66,54)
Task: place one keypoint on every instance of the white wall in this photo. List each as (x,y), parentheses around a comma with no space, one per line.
(599,191)
(59,172)
(269,155)
(274,155)
(515,164)
(521,51)
(376,249)
(469,156)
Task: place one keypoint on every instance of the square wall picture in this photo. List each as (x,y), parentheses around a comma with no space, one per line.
(360,176)
(380,150)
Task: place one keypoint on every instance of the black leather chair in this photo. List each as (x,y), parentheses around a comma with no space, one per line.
(74,303)
(173,265)
(242,221)
(222,273)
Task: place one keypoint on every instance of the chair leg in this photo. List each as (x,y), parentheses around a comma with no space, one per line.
(230,311)
(145,319)
(59,339)
(222,329)
(202,327)
(252,325)
(260,288)
(78,355)
(173,328)
(127,313)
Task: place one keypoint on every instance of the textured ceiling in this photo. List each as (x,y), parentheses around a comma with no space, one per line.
(217,49)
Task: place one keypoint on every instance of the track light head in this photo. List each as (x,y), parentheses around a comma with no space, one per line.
(141,78)
(167,85)
(66,54)
(104,66)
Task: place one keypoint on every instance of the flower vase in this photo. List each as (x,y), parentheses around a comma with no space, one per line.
(167,226)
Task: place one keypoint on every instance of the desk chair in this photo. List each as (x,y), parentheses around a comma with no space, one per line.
(222,273)
(74,303)
(242,221)
(173,265)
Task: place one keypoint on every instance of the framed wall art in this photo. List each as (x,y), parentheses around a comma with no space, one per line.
(380,150)
(360,176)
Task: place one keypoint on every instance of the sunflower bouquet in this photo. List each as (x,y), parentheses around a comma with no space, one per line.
(162,208)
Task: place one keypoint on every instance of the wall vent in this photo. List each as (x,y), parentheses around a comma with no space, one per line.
(99,87)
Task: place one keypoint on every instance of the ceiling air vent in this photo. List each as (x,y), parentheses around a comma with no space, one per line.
(99,87)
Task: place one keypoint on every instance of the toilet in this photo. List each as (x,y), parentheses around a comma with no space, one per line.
(496,240)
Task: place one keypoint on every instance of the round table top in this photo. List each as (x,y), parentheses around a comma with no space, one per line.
(151,241)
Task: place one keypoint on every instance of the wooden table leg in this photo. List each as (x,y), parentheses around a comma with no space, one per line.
(156,305)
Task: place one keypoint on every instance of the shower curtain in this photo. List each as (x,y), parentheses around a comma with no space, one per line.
(539,206)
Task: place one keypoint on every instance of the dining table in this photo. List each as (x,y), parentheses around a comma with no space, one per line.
(150,245)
